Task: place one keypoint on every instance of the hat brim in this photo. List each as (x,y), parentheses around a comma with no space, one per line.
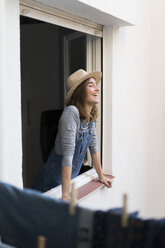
(94,74)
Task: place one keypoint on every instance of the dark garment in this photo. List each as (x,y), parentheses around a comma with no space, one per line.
(25,214)
(2,245)
(50,175)
(109,233)
(145,233)
(85,228)
(159,241)
(99,229)
(140,231)
(132,236)
(120,210)
(156,234)
(116,235)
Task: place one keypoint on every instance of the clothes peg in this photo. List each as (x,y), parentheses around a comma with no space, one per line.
(41,242)
(72,200)
(124,218)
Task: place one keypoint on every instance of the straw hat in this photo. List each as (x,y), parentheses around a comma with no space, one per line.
(75,79)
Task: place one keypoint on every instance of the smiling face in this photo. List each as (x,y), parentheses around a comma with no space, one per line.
(85,98)
(92,92)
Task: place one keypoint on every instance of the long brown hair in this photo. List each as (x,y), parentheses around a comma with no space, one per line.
(78,99)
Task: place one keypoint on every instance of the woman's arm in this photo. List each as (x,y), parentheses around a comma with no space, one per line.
(97,165)
(69,124)
(66,176)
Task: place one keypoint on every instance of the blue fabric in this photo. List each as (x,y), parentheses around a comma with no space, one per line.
(120,210)
(108,231)
(25,214)
(159,240)
(85,228)
(161,221)
(50,175)
(82,144)
(116,235)
(2,245)
(99,229)
(156,234)
(140,231)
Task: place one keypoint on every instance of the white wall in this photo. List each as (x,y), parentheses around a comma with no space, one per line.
(118,8)
(138,120)
(139,109)
(10,105)
(104,12)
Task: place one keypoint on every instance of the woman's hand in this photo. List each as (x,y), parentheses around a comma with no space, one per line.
(107,181)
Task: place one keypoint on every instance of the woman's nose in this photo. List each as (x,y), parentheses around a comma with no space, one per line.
(97,88)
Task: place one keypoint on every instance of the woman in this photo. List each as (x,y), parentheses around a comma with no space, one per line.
(76,133)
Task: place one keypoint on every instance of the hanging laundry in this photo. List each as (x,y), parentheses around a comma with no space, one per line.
(3,245)
(100,223)
(85,228)
(156,234)
(26,214)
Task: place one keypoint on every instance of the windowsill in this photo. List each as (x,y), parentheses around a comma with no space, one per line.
(90,187)
(85,184)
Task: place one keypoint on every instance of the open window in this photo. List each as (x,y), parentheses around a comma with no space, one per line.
(49,53)
(83,51)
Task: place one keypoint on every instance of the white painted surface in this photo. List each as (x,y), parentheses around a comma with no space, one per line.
(95,12)
(107,99)
(138,119)
(58,17)
(10,97)
(79,181)
(122,9)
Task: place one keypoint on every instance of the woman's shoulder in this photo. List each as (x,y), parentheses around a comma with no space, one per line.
(71,112)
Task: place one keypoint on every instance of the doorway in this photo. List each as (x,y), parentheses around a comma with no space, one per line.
(49,53)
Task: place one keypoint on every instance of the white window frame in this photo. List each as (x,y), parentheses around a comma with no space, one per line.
(55,16)
(58,17)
